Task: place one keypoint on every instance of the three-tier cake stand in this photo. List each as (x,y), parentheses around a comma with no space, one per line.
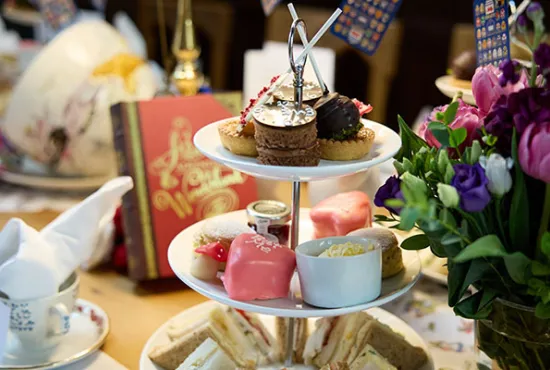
(180,253)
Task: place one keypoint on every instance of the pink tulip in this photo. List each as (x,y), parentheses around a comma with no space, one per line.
(466,116)
(486,87)
(534,151)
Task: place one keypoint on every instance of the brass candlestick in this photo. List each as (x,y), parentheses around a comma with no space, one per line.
(187,77)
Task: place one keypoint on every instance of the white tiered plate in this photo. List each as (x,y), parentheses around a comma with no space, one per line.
(447,88)
(386,145)
(160,336)
(180,256)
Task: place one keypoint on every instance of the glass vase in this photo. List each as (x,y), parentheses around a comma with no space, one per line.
(513,338)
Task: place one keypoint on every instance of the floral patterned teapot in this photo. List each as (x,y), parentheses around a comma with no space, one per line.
(59,114)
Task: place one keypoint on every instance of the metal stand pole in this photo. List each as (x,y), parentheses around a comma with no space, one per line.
(294,234)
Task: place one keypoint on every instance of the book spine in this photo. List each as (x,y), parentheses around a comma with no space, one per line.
(133,232)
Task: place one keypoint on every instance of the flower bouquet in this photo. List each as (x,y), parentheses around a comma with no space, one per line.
(476,182)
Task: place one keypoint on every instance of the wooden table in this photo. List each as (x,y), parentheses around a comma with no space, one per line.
(135,310)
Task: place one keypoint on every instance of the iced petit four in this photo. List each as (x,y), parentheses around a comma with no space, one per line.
(286,136)
(340,214)
(258,269)
(392,257)
(206,264)
(342,135)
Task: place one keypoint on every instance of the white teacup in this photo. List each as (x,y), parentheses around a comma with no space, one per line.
(39,324)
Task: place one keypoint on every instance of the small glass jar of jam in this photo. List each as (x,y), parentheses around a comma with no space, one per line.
(270,218)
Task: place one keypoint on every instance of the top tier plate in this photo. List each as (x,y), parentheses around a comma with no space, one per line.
(386,144)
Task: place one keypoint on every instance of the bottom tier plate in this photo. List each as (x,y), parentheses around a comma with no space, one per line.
(160,336)
(180,255)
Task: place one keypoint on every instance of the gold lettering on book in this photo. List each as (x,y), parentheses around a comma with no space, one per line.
(190,184)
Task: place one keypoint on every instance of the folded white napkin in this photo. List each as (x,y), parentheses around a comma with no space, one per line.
(34,264)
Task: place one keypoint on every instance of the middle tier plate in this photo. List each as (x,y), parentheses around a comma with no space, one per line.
(180,255)
(386,144)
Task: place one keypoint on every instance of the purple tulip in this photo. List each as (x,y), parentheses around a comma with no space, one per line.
(471,184)
(509,69)
(534,11)
(522,21)
(500,123)
(534,151)
(390,190)
(542,58)
(466,116)
(487,90)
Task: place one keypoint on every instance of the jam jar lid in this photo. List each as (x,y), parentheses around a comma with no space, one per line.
(276,212)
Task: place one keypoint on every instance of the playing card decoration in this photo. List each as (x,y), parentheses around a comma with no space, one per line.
(491,31)
(363,23)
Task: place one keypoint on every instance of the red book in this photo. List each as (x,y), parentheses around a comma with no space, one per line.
(175,185)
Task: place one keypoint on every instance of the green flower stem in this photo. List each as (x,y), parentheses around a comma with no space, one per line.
(545,219)
(500,223)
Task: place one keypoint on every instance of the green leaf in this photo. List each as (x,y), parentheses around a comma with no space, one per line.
(545,244)
(457,137)
(382,218)
(519,208)
(475,153)
(411,143)
(490,140)
(416,243)
(394,203)
(486,246)
(408,216)
(417,189)
(450,113)
(443,161)
(542,310)
(449,174)
(449,239)
(440,132)
(447,218)
(517,265)
(408,165)
(399,167)
(478,270)
(477,306)
(540,269)
(457,275)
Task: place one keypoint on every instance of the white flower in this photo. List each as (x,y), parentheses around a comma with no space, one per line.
(448,195)
(497,170)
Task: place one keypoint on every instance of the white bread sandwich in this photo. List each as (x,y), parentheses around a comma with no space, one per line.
(219,327)
(336,366)
(208,356)
(259,338)
(300,338)
(388,344)
(333,339)
(369,359)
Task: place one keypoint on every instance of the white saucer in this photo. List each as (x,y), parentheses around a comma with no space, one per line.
(446,86)
(160,336)
(386,144)
(180,255)
(89,329)
(53,183)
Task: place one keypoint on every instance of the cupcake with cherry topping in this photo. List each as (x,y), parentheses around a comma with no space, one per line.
(342,135)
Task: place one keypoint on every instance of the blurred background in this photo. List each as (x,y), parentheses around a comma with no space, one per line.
(416,50)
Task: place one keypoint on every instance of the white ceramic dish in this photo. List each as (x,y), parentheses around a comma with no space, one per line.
(54,183)
(338,281)
(160,336)
(446,86)
(89,329)
(180,255)
(386,144)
